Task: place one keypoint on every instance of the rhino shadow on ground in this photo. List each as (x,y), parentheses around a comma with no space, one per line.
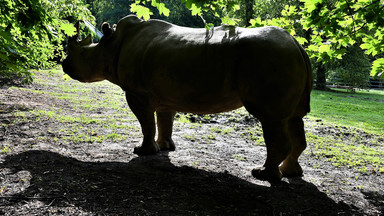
(152,185)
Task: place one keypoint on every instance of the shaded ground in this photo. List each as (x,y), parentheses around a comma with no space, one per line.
(62,156)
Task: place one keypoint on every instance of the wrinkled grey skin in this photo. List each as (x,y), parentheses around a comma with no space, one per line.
(165,68)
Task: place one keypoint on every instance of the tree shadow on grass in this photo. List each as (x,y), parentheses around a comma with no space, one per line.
(152,185)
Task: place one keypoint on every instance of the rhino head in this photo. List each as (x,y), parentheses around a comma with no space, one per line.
(83,61)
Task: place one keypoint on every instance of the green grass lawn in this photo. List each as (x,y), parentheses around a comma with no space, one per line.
(360,111)
(363,109)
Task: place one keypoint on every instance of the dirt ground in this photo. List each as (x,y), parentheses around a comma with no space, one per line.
(41,173)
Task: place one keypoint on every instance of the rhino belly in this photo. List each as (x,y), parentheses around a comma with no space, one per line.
(200,103)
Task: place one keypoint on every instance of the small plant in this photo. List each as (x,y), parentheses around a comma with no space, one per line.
(259,140)
(211,136)
(190,137)
(238,157)
(6,150)
(207,118)
(226,131)
(183,119)
(115,137)
(216,130)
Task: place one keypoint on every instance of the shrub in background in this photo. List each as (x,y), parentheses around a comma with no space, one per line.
(353,71)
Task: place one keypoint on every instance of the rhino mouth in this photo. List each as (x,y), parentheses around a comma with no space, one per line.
(68,70)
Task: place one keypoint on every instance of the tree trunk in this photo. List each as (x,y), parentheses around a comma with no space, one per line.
(248,12)
(321,83)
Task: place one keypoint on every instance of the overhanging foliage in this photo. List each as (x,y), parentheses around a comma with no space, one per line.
(32,31)
(332,25)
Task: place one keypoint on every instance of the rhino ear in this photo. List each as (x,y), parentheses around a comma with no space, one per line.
(106,28)
(86,41)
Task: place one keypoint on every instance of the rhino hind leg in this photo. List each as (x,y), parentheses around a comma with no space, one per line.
(165,126)
(277,139)
(146,149)
(291,166)
(145,114)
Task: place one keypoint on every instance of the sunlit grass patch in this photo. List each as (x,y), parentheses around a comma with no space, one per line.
(115,137)
(183,118)
(100,106)
(190,137)
(350,115)
(364,110)
(85,138)
(351,154)
(240,157)
(221,130)
(63,118)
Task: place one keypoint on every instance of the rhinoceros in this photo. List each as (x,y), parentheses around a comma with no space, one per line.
(165,68)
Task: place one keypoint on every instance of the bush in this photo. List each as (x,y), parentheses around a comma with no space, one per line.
(352,71)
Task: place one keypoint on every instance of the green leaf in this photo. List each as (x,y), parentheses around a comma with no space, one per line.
(163,10)
(68,29)
(161,7)
(209,26)
(301,40)
(288,11)
(141,11)
(378,67)
(325,52)
(310,5)
(339,53)
(236,7)
(228,21)
(257,22)
(195,10)
(371,45)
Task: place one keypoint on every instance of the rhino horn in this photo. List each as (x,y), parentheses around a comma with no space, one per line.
(86,41)
(77,26)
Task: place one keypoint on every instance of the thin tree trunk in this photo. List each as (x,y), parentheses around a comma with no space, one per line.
(248,12)
(321,83)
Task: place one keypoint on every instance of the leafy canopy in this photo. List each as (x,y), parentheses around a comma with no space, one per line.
(333,26)
(32,32)
(219,8)
(336,25)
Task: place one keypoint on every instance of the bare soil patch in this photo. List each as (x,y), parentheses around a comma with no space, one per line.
(44,171)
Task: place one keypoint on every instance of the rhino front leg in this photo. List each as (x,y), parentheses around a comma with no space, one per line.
(164,126)
(144,112)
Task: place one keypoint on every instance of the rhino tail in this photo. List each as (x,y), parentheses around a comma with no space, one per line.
(306,98)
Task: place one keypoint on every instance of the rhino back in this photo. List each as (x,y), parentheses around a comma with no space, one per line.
(157,47)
